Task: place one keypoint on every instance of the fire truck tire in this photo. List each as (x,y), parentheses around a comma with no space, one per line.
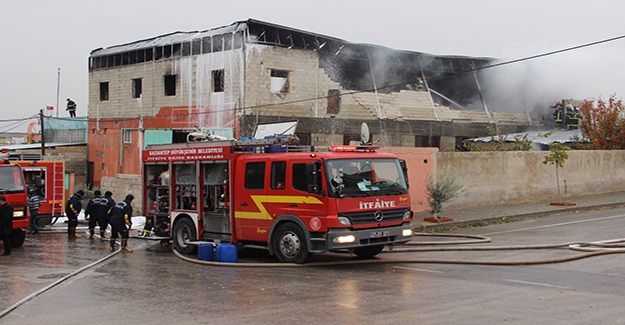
(17,238)
(289,244)
(368,251)
(184,232)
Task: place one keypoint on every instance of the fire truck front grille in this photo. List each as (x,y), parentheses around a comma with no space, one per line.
(365,217)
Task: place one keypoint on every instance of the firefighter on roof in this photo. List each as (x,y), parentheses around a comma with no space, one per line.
(121,222)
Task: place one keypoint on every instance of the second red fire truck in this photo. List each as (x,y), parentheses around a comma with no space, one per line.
(350,198)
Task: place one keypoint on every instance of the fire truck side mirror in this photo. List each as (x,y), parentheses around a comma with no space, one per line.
(404,168)
(312,178)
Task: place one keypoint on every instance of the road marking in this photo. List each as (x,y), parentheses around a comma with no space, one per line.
(553,225)
(537,284)
(416,269)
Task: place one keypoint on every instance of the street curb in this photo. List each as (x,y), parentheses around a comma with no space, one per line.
(520,216)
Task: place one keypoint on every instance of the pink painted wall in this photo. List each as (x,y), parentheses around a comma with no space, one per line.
(421,162)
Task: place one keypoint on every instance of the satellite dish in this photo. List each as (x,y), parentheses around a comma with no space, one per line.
(364,134)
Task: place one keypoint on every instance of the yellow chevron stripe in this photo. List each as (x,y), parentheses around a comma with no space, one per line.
(263,214)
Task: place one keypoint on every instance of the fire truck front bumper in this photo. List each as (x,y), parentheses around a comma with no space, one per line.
(343,238)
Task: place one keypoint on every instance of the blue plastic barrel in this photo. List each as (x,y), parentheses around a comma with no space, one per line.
(226,253)
(271,149)
(205,252)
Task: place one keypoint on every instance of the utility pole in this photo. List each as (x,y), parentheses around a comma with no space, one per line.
(58,92)
(43,139)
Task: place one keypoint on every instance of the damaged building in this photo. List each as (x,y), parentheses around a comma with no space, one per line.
(230,79)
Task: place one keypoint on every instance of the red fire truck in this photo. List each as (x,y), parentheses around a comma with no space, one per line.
(44,176)
(261,194)
(12,187)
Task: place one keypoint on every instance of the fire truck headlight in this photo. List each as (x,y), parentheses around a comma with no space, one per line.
(407,215)
(344,221)
(406,232)
(344,239)
(18,214)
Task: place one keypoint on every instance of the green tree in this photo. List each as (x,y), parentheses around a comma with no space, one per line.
(557,156)
(602,123)
(441,190)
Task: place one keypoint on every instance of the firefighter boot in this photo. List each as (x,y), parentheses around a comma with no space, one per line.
(112,249)
(91,232)
(72,233)
(145,233)
(125,248)
(103,235)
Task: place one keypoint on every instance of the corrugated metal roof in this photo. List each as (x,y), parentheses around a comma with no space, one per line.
(168,39)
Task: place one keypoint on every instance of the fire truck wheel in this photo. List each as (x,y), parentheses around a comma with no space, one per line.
(17,238)
(289,244)
(184,232)
(368,251)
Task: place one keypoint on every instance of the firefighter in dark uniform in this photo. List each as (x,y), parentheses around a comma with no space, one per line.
(104,219)
(72,209)
(121,222)
(71,108)
(97,210)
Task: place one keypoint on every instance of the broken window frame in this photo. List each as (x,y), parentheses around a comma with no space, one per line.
(280,82)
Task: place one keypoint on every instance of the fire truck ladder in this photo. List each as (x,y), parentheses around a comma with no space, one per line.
(58,189)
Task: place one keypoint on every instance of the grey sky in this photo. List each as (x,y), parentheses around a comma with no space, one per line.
(39,37)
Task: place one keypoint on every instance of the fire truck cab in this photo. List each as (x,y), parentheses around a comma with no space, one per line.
(260,194)
(12,187)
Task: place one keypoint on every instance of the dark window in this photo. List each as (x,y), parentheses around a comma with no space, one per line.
(218,81)
(304,138)
(334,101)
(207,46)
(149,54)
(186,48)
(136,88)
(217,43)
(255,175)
(141,56)
(278,175)
(238,41)
(170,85)
(427,141)
(158,52)
(104,91)
(176,50)
(196,46)
(459,141)
(167,51)
(227,42)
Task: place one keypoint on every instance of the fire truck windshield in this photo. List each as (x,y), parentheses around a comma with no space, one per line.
(365,177)
(11,180)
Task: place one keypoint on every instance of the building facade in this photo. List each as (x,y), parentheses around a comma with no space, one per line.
(230,79)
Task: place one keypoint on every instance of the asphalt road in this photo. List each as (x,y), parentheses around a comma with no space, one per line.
(153,286)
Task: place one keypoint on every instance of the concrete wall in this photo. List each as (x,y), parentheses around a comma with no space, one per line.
(498,177)
(124,184)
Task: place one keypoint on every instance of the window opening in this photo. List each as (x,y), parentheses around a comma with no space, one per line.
(218,81)
(280,82)
(104,91)
(127,136)
(170,85)
(136,88)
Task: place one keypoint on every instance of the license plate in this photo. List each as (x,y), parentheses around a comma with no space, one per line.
(377,234)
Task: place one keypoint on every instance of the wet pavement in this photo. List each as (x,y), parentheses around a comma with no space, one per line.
(519,210)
